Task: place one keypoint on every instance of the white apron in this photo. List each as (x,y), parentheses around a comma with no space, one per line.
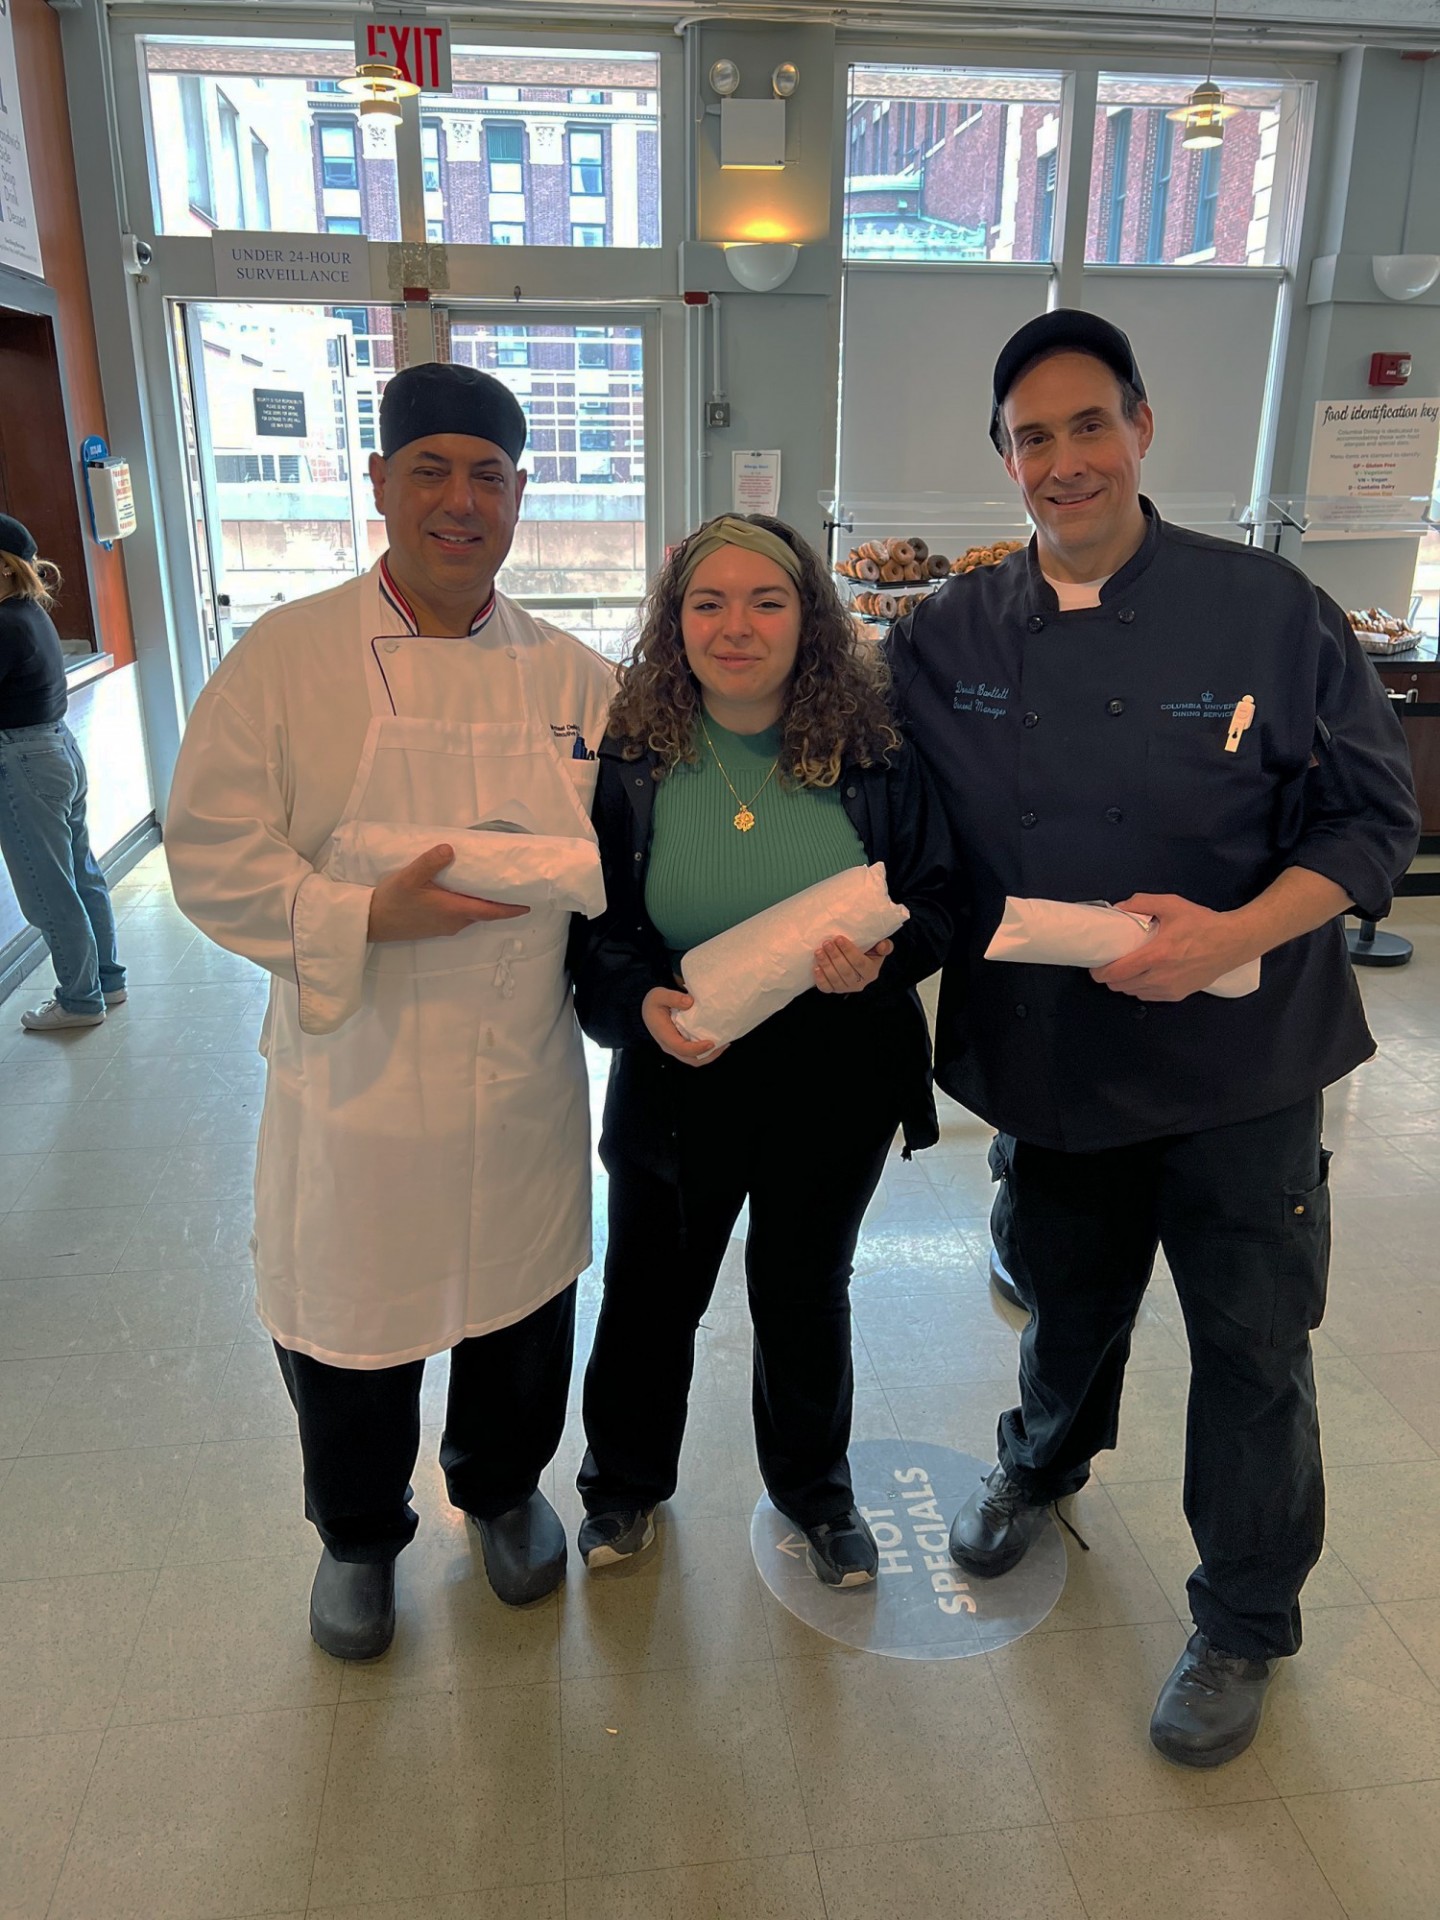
(423,1173)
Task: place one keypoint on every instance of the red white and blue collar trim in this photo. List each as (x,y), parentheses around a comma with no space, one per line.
(391,595)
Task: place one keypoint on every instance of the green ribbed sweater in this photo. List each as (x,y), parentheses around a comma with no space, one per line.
(704,875)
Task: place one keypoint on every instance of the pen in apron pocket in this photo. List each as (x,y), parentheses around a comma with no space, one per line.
(1239,720)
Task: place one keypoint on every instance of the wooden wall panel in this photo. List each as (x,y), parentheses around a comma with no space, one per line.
(57,216)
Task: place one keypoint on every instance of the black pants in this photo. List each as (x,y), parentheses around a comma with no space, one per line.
(798,1117)
(1243,1213)
(360,1430)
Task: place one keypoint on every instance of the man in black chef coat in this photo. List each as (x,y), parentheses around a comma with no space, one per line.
(1186,727)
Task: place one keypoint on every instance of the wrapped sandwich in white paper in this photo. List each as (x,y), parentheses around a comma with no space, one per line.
(754,969)
(1066,933)
(500,860)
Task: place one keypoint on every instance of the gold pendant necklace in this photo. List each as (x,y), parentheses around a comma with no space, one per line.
(744,819)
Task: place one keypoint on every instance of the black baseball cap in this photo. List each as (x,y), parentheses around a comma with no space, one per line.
(16,538)
(1065,327)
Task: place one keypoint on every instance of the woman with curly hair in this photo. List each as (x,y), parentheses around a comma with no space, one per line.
(43,786)
(750,754)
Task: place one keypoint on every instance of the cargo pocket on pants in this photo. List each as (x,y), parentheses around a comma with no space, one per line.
(1304,1263)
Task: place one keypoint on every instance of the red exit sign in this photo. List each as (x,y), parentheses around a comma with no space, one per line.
(421,51)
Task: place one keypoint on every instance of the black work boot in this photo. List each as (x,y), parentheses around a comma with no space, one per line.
(352,1607)
(524,1550)
(1209,1709)
(997,1526)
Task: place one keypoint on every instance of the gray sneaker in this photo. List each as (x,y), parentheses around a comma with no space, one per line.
(607,1538)
(52,1018)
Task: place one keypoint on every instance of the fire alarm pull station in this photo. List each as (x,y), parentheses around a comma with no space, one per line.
(1389,369)
(108,489)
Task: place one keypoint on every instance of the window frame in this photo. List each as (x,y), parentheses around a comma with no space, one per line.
(195,118)
(1119,130)
(585,191)
(506,124)
(333,123)
(1207,200)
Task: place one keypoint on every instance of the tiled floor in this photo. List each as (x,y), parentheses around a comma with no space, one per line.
(663,1741)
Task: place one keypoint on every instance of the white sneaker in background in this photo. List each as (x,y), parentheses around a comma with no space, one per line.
(116,997)
(52,1017)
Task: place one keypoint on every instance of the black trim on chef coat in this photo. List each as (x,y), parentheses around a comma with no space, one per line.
(1080,756)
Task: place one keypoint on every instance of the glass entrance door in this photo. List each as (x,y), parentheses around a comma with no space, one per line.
(280,407)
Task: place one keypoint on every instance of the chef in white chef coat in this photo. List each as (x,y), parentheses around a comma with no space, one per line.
(422,1178)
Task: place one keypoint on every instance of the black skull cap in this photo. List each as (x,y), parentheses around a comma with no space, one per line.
(437,397)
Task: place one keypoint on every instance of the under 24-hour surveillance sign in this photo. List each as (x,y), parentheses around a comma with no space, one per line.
(420,50)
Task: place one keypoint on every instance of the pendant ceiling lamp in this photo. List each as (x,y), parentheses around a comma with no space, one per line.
(1204,115)
(379,83)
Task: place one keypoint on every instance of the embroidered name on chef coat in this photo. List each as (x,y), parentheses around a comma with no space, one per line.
(980,698)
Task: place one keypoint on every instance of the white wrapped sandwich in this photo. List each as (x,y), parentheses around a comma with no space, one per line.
(754,969)
(498,860)
(1066,933)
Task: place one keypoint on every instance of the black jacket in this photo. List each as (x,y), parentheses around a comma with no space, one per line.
(1081,756)
(617,958)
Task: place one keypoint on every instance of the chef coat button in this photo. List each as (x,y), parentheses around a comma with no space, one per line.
(1117,707)
(1126,616)
(639,779)
(1114,816)
(1138,1013)
(392,646)
(1030,720)
(1022,1011)
(512,653)
(1035,623)
(850,793)
(638,858)
(1029,819)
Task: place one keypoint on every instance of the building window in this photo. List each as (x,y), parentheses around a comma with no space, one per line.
(435,232)
(1172,216)
(505,156)
(342,223)
(1046,176)
(592,347)
(1207,194)
(1160,191)
(586,97)
(507,233)
(231,207)
(430,154)
(358,321)
(260,179)
(1119,142)
(587,165)
(325,86)
(512,346)
(587,236)
(365,417)
(248,469)
(339,162)
(197,146)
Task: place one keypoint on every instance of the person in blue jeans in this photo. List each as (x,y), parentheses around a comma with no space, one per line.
(43,787)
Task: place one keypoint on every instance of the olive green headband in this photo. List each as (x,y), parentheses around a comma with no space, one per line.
(733,532)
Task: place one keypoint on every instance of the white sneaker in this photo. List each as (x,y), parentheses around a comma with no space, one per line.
(52,1017)
(116,997)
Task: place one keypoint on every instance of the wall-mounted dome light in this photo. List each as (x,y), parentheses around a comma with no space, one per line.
(1405,276)
(761,265)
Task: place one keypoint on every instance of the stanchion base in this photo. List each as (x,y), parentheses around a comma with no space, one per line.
(1380,950)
